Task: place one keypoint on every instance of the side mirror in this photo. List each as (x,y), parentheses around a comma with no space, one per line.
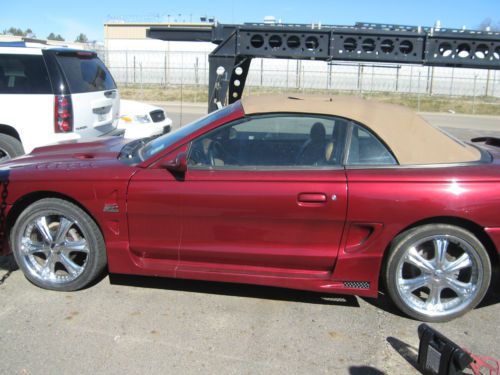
(179,165)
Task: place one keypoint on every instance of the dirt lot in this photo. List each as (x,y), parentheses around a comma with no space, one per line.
(160,326)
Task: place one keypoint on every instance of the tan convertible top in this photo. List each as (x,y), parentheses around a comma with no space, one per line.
(410,137)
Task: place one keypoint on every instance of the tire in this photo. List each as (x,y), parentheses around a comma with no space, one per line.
(58,246)
(434,288)
(10,147)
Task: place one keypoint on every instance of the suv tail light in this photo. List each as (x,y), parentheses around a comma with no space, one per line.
(63,114)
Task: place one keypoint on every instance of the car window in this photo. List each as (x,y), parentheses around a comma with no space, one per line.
(366,149)
(272,141)
(158,144)
(23,74)
(84,73)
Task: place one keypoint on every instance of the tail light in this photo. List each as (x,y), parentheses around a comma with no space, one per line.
(63,114)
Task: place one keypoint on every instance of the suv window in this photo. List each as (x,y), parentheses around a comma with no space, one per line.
(276,141)
(85,74)
(23,74)
(366,149)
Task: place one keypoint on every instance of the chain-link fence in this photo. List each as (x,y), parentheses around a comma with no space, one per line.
(146,69)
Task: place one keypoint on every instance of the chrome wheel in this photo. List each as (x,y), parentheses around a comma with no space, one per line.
(54,249)
(439,275)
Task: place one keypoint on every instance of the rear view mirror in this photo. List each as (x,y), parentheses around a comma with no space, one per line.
(178,165)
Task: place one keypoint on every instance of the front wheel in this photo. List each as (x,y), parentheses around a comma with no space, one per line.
(437,272)
(57,245)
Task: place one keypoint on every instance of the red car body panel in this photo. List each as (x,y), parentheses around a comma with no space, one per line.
(322,230)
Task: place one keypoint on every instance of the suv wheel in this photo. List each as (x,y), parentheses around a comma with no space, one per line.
(10,147)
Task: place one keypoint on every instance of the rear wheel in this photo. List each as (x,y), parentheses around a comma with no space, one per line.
(437,272)
(10,147)
(57,245)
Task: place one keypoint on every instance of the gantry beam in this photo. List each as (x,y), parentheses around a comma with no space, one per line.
(238,44)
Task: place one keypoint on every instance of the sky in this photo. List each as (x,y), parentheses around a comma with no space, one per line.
(74,17)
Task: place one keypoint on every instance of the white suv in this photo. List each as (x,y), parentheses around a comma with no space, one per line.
(50,94)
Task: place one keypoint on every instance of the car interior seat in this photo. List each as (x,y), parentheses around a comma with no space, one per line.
(312,152)
(333,149)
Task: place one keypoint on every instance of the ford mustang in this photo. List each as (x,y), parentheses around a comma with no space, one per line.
(336,195)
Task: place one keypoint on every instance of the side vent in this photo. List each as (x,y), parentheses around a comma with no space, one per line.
(357,284)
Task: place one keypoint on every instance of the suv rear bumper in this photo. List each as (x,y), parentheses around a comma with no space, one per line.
(115,132)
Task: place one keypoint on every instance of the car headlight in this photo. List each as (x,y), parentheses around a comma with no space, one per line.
(143,119)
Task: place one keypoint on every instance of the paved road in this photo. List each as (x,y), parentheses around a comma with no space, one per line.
(160,326)
(466,127)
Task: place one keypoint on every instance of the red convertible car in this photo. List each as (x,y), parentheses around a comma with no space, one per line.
(336,195)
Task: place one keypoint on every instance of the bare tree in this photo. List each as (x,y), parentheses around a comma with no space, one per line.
(488,23)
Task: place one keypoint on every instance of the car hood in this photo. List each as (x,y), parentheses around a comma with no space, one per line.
(72,151)
(131,107)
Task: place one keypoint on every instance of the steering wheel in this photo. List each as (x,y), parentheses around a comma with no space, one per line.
(217,151)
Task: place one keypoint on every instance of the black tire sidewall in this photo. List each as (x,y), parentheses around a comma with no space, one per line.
(398,250)
(96,258)
(11,146)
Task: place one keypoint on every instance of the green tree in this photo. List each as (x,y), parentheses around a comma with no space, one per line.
(53,36)
(29,33)
(19,32)
(81,38)
(14,31)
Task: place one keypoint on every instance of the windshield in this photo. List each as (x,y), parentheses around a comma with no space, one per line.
(160,143)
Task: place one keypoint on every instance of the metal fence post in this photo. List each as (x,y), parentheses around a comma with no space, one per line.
(196,77)
(330,72)
(411,78)
(371,81)
(360,78)
(302,76)
(134,69)
(418,92)
(126,68)
(205,70)
(431,85)
(397,79)
(487,83)
(182,84)
(493,83)
(261,72)
(451,81)
(165,74)
(297,75)
(140,75)
(287,73)
(474,96)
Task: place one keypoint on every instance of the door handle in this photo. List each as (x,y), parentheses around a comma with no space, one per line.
(312,198)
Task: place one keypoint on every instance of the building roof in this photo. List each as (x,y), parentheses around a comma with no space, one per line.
(412,139)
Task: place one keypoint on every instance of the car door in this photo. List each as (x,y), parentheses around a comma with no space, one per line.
(265,194)
(154,219)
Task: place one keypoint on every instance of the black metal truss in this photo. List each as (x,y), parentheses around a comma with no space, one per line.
(238,44)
